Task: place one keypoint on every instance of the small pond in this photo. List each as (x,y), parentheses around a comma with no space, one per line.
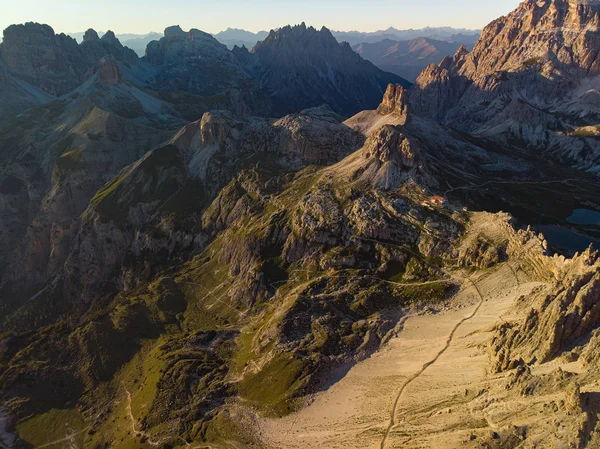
(567,239)
(585,217)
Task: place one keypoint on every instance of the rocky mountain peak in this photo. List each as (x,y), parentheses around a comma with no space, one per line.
(389,144)
(29,29)
(195,33)
(56,63)
(300,37)
(242,54)
(305,67)
(243,50)
(461,52)
(174,31)
(110,37)
(90,35)
(178,45)
(395,100)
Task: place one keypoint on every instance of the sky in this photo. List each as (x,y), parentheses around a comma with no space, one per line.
(142,16)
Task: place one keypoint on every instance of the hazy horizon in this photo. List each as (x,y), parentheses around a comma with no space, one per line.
(138,17)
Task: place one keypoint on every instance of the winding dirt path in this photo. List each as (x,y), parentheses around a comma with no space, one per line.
(134,431)
(427,365)
(487,183)
(69,438)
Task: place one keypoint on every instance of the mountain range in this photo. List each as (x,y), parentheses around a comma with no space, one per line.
(286,246)
(407,58)
(402,52)
(242,38)
(234,36)
(447,34)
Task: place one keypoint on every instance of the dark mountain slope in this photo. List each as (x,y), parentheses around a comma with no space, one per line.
(17,95)
(302,67)
(56,156)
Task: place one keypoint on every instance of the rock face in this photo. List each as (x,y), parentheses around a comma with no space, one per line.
(108,71)
(561,318)
(531,78)
(395,101)
(295,68)
(193,167)
(177,46)
(55,157)
(562,31)
(303,67)
(392,159)
(253,201)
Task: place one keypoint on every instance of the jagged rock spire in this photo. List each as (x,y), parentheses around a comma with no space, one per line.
(90,35)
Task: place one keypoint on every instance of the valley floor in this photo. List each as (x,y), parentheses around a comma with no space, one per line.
(433,369)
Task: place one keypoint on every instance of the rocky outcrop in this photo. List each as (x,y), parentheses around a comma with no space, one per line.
(315,136)
(395,101)
(109,72)
(246,257)
(54,159)
(294,68)
(304,67)
(561,318)
(481,254)
(391,157)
